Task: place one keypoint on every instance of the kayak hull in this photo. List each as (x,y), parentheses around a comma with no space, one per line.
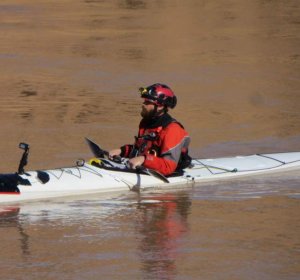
(88,179)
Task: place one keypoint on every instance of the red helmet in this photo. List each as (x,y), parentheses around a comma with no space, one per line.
(159,94)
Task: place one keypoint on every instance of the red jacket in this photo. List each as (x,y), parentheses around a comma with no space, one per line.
(163,143)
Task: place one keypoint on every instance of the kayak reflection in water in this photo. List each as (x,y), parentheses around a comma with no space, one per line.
(162,222)
(9,218)
(162,142)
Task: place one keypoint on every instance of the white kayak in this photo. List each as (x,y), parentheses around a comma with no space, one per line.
(88,178)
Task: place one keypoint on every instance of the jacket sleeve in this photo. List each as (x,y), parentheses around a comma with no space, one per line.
(174,140)
(126,150)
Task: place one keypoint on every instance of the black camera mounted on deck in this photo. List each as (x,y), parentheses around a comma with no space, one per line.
(24,159)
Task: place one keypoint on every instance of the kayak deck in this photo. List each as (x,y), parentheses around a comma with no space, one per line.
(88,178)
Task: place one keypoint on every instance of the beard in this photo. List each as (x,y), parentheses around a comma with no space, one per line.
(151,115)
(148,115)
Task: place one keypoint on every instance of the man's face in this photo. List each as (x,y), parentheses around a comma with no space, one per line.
(148,109)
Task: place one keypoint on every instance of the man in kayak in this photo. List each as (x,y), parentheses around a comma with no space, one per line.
(162,142)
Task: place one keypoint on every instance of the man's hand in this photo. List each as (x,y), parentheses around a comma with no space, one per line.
(136,161)
(113,153)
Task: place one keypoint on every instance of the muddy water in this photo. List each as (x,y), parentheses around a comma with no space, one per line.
(70,69)
(226,231)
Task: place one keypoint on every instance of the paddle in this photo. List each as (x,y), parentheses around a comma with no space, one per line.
(153,173)
(98,152)
(96,149)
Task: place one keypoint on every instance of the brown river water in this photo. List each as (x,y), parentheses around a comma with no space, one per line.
(71,68)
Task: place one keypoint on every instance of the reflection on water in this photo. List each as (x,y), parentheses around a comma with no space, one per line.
(214,230)
(9,218)
(156,227)
(162,223)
